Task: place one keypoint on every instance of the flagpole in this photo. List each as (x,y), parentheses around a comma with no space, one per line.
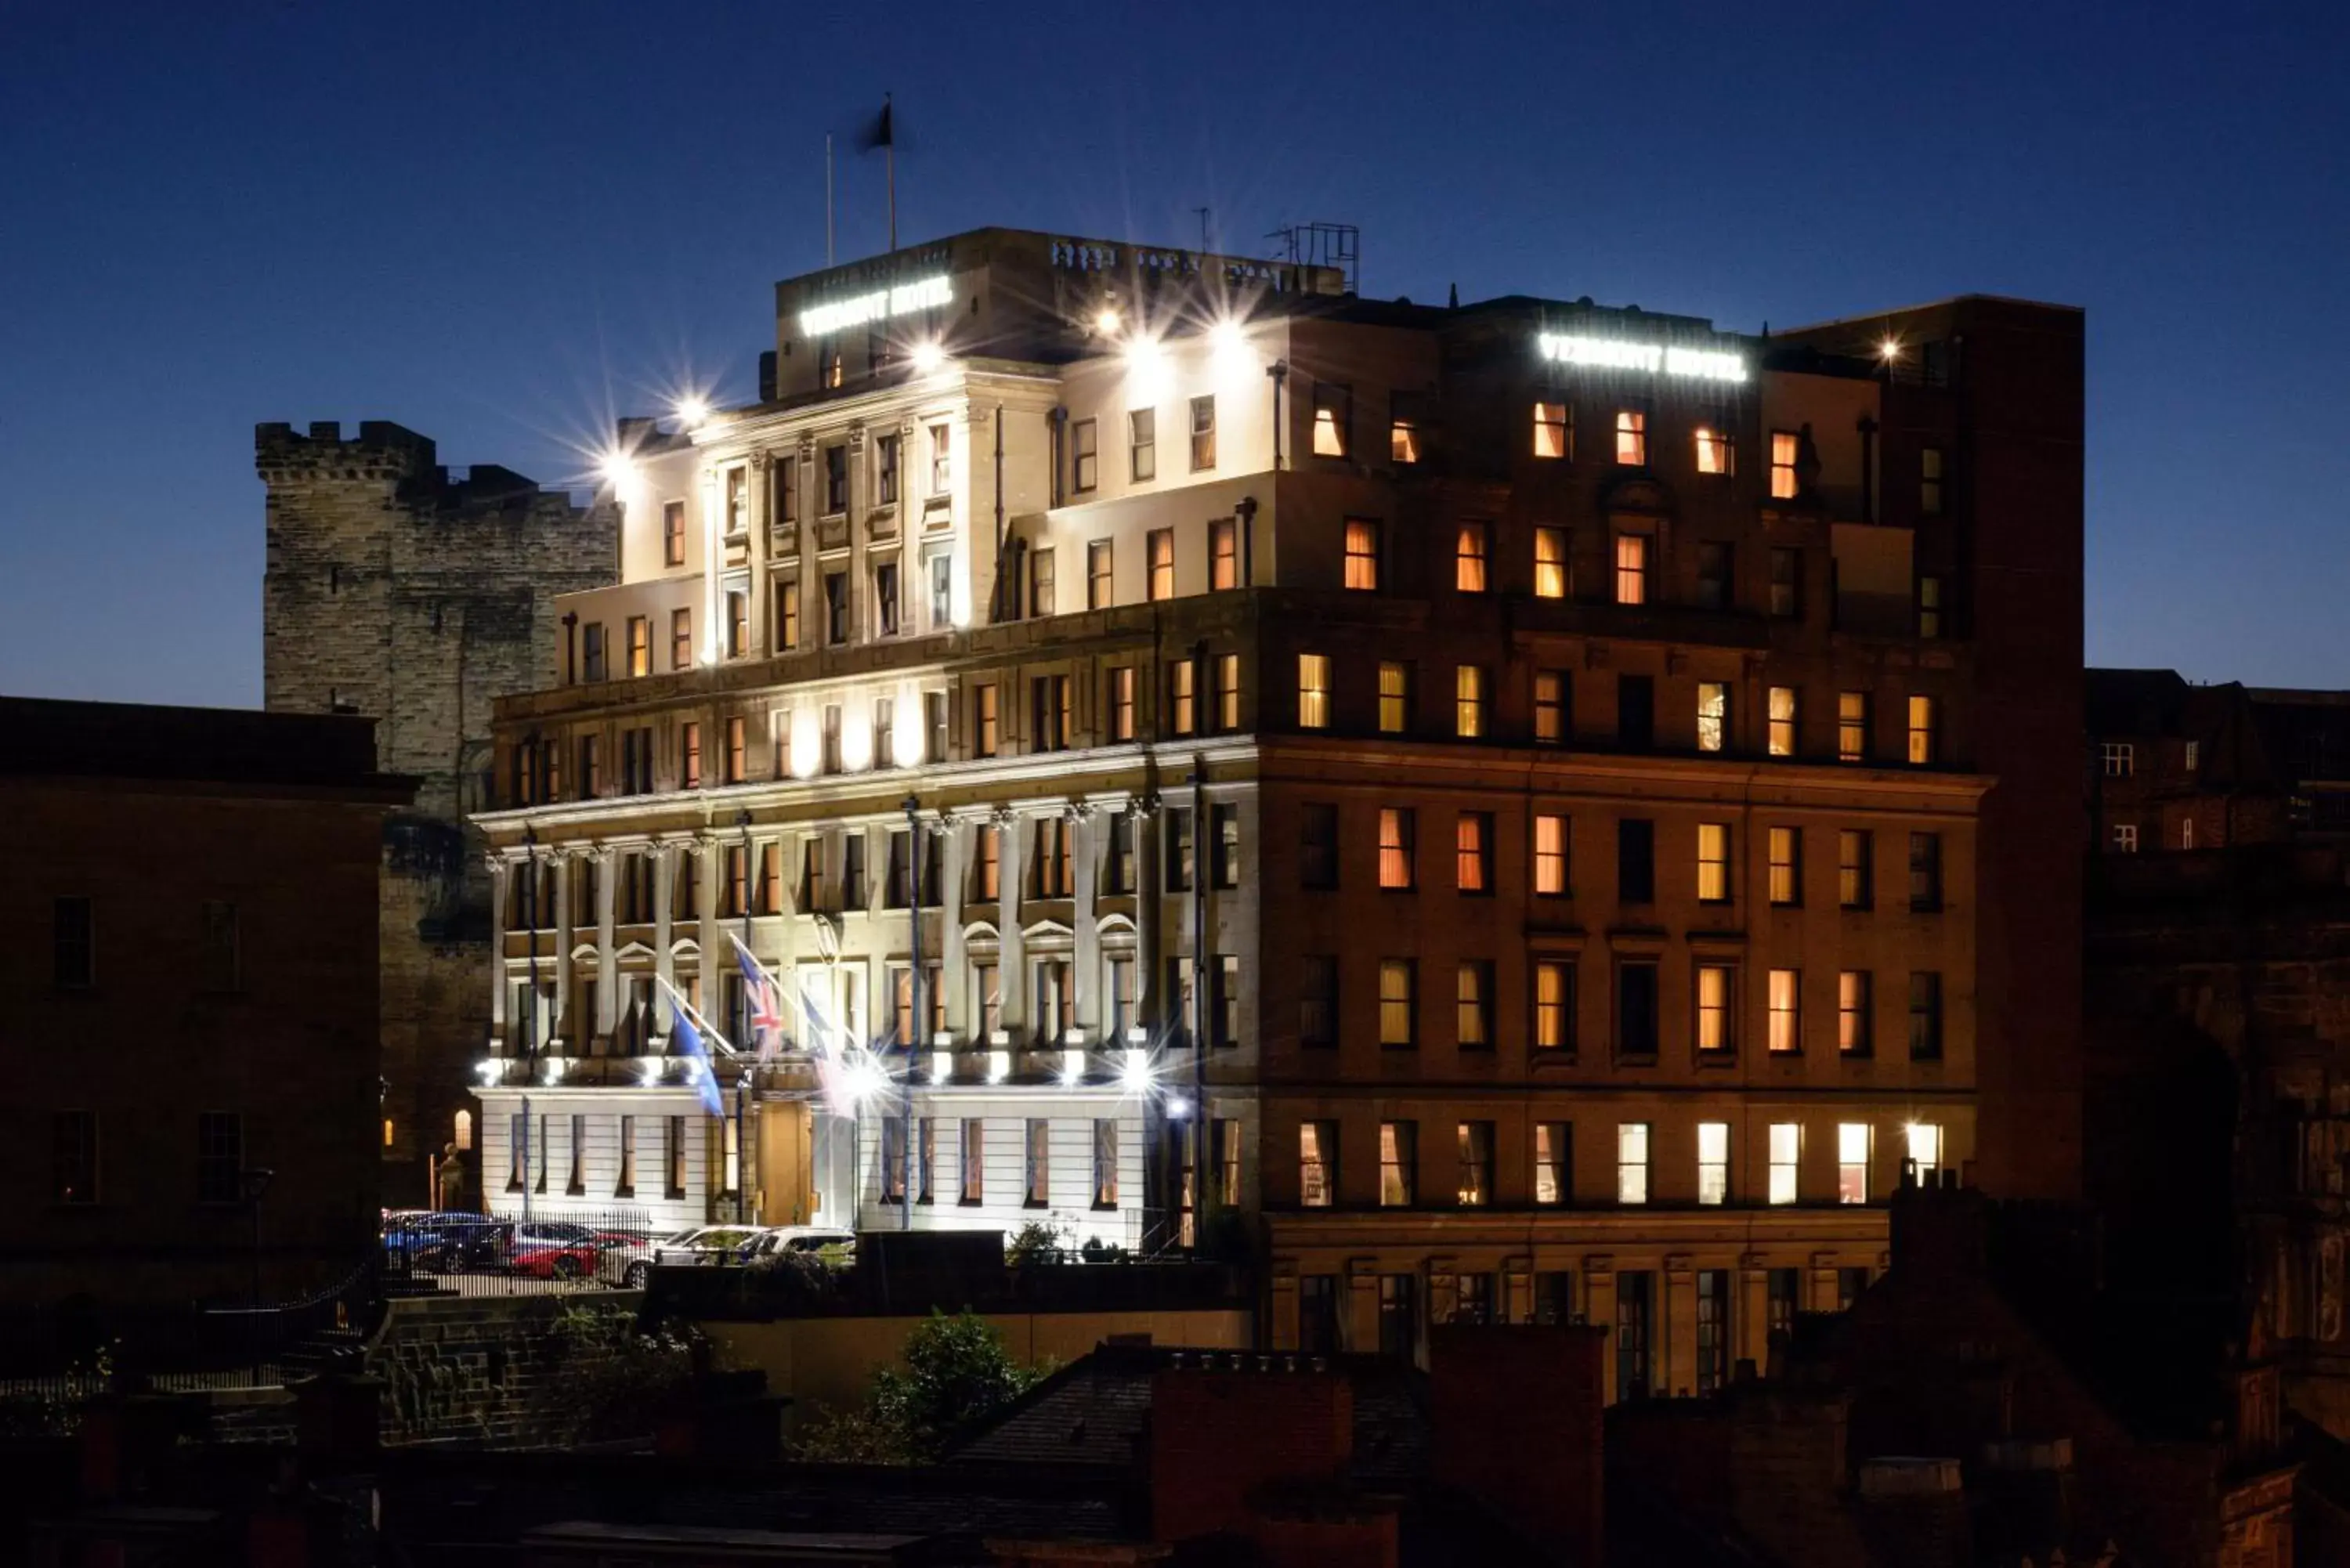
(889,153)
(827,198)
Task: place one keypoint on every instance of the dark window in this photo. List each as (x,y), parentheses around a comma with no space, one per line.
(1225,845)
(836,606)
(1712,1331)
(1850,1283)
(1786,582)
(836,479)
(1473,1298)
(1925,872)
(1783,1287)
(72,1144)
(1714,588)
(1554,1297)
(74,943)
(1398,1314)
(1317,1314)
(1636,711)
(1635,861)
(1317,1000)
(1085,456)
(1925,1015)
(1176,869)
(1317,854)
(1635,1008)
(220,1157)
(1635,1321)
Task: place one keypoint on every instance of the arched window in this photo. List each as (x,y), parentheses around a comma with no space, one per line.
(464,1131)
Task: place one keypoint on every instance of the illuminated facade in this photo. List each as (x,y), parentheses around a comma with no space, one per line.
(1528,779)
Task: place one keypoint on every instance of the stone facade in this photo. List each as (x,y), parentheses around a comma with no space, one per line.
(397,591)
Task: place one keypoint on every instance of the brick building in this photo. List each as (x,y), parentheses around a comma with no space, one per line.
(1522,811)
(397,591)
(2217,953)
(190,998)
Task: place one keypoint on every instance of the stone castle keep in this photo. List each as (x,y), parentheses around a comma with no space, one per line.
(397,591)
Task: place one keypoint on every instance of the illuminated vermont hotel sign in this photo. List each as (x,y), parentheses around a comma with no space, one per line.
(824,320)
(1656,358)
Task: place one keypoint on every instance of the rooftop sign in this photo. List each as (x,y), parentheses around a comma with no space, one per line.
(824,320)
(1655,358)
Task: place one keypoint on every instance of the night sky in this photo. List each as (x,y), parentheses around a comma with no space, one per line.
(500,223)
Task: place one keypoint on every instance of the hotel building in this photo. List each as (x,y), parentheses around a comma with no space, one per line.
(1524,809)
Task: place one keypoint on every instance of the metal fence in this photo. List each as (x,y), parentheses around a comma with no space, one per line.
(582,1250)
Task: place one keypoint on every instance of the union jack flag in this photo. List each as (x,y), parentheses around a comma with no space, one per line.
(766,1015)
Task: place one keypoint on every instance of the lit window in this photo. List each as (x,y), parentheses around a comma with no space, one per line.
(1852,1162)
(1786,992)
(1713,862)
(1469,558)
(673,534)
(1786,865)
(1403,428)
(1632,1162)
(1228,691)
(1553,430)
(1398,1009)
(2186,833)
(1476,1186)
(1922,732)
(1631,569)
(1712,715)
(1472,999)
(1712,1162)
(1333,418)
(1085,456)
(1851,1013)
(1929,608)
(1852,726)
(1784,444)
(2121,758)
(1362,555)
(1783,721)
(680,638)
(1101,589)
(1929,481)
(1398,1164)
(1552,1163)
(2194,755)
(1550,707)
(738,501)
(1317,1163)
(1471,839)
(1313,691)
(1856,855)
(1787,1161)
(1553,1005)
(986,717)
(1223,555)
(942,458)
(1161,544)
(1713,450)
(1716,1009)
(1203,434)
(1395,697)
(1550,563)
(1550,855)
(1469,701)
(1396,825)
(1631,438)
(640,645)
(1142,445)
(1184,696)
(1925,1140)
(738,623)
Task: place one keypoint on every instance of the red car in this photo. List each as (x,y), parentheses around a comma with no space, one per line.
(553,1251)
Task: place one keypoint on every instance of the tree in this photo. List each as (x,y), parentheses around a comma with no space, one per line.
(956,1373)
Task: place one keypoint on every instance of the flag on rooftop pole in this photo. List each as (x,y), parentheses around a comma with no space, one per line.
(883,133)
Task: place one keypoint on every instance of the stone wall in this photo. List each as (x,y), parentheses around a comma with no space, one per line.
(396,591)
(505,1371)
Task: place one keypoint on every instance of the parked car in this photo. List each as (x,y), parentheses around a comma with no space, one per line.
(556,1250)
(629,1256)
(442,1243)
(706,1244)
(811,1238)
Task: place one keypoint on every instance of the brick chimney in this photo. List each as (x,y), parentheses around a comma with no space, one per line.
(1518,1416)
(1262,1455)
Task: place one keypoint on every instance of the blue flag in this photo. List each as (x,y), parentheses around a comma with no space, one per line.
(688,1039)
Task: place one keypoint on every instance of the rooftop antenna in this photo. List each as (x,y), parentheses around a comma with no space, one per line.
(1203,227)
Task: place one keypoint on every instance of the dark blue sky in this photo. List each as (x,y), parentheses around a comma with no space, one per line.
(498,223)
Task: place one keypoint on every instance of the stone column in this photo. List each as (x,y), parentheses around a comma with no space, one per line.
(1517,1303)
(711,860)
(1677,1369)
(1599,1292)
(956,834)
(564,1021)
(1754,1338)
(608,967)
(1147,912)
(1085,859)
(501,879)
(664,856)
(1012,977)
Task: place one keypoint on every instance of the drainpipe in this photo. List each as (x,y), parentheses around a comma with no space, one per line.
(571,647)
(1246,508)
(914,887)
(1057,420)
(1279,371)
